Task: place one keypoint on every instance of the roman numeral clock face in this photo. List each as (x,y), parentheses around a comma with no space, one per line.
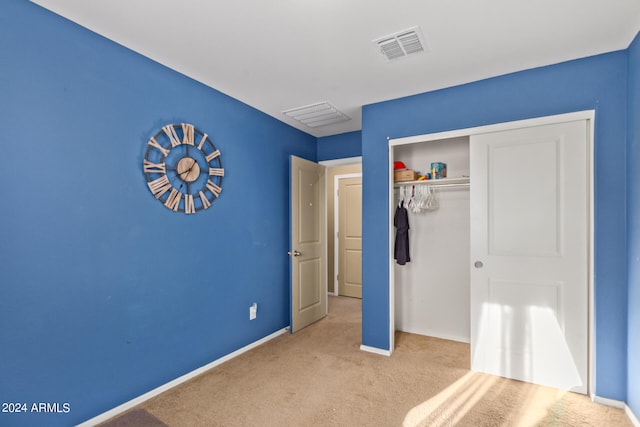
(183,168)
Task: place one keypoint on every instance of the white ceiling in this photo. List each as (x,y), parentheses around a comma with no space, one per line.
(280,54)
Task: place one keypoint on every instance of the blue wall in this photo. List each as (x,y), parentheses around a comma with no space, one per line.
(633,217)
(593,83)
(105,294)
(340,146)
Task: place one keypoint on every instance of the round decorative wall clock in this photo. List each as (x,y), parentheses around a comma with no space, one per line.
(183,168)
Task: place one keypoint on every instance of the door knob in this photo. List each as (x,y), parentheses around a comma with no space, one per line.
(294,253)
(478,264)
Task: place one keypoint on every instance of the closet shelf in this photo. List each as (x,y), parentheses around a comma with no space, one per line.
(463,181)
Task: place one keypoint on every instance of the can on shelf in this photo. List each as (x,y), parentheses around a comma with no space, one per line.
(438,170)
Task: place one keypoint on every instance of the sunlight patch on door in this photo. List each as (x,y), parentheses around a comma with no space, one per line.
(554,367)
(536,352)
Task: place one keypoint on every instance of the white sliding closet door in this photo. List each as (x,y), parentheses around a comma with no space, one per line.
(529,254)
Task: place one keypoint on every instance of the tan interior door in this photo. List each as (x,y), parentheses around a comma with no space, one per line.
(350,237)
(529,248)
(308,243)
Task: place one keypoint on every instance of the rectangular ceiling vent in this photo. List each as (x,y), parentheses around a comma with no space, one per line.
(401,44)
(316,115)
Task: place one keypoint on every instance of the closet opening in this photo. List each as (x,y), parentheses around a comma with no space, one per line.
(432,289)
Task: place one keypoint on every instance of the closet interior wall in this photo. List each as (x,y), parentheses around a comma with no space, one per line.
(432,291)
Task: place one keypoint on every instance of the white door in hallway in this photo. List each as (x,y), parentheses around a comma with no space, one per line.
(350,237)
(529,254)
(308,250)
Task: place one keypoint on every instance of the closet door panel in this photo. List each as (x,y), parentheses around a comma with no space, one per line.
(513,170)
(529,254)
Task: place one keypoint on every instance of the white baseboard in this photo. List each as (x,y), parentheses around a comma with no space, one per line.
(609,402)
(618,404)
(457,338)
(186,377)
(632,416)
(375,350)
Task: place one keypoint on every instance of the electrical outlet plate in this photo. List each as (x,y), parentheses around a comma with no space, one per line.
(253,311)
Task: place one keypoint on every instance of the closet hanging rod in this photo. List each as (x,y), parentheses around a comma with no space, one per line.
(440,186)
(444,182)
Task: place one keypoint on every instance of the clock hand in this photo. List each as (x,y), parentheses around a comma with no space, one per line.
(188,171)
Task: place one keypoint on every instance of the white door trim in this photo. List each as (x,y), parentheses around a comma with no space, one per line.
(538,121)
(342,162)
(336,226)
(588,115)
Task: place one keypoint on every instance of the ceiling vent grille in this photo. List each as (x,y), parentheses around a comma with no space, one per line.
(401,44)
(316,115)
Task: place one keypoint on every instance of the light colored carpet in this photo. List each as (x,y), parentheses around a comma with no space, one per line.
(320,377)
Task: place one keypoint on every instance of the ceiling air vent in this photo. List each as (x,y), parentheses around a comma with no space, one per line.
(401,44)
(316,115)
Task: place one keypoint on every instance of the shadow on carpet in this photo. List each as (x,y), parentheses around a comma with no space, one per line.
(135,418)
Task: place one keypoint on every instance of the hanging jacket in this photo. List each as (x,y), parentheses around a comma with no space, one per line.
(401,248)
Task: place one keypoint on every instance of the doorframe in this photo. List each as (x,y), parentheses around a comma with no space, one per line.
(347,161)
(589,117)
(336,227)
